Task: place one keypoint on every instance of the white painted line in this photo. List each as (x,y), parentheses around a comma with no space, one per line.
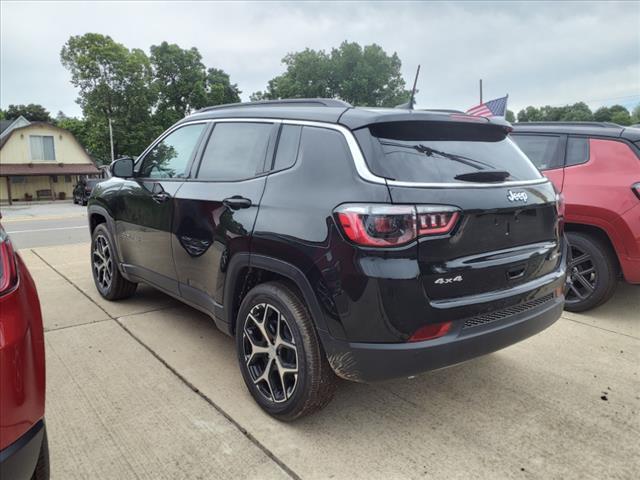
(46,229)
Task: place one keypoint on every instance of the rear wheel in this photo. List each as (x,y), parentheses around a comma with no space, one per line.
(592,271)
(106,275)
(282,361)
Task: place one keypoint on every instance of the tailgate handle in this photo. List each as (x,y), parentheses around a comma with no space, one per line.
(516,272)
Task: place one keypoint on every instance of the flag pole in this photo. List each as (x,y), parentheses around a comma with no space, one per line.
(481,91)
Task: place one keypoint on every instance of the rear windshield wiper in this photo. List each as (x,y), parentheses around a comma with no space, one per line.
(484,176)
(428,151)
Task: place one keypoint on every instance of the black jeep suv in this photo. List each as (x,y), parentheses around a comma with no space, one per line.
(332,240)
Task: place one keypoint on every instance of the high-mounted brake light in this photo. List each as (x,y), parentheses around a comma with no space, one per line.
(9,269)
(393,225)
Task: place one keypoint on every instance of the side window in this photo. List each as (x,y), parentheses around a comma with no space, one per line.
(170,157)
(235,151)
(542,150)
(577,151)
(288,145)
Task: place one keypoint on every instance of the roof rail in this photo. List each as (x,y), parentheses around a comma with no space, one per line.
(292,102)
(576,123)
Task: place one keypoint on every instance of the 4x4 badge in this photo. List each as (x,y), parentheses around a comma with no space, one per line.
(517,196)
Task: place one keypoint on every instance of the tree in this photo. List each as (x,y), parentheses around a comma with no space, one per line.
(577,112)
(32,112)
(359,75)
(179,78)
(635,116)
(114,84)
(510,116)
(219,89)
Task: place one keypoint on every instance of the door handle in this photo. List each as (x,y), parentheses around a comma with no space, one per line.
(236,202)
(161,197)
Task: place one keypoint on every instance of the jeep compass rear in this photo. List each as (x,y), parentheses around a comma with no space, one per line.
(331,240)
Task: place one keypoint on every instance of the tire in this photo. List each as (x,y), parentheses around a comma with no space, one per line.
(592,262)
(106,274)
(75,200)
(282,314)
(42,467)
(84,202)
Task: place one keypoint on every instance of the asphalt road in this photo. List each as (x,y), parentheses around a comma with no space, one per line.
(46,224)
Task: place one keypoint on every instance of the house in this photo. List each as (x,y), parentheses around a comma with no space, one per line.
(40,161)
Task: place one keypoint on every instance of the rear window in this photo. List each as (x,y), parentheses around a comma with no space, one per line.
(92,183)
(431,152)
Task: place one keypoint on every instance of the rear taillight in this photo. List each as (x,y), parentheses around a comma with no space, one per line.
(392,225)
(8,268)
(431,331)
(636,189)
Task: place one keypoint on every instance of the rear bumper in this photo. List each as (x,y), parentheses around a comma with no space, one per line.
(369,362)
(18,461)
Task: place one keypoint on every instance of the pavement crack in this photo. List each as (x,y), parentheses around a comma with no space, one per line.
(183,379)
(219,409)
(599,328)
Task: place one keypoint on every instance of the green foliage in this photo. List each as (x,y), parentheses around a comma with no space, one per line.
(32,112)
(114,83)
(141,95)
(579,112)
(3,115)
(510,116)
(360,75)
(635,116)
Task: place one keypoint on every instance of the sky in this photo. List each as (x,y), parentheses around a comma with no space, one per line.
(540,53)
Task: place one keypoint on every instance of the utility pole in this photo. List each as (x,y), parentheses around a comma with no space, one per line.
(480,90)
(111,139)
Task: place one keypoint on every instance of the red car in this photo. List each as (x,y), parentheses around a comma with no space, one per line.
(596,166)
(24,450)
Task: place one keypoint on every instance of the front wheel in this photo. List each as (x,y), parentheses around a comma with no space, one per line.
(106,275)
(282,361)
(592,272)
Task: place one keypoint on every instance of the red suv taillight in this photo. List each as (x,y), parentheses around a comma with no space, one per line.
(376,225)
(636,189)
(8,266)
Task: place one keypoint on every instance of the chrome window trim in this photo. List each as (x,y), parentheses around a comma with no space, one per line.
(358,158)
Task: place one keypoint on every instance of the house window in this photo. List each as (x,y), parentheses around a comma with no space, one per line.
(54,178)
(18,179)
(42,148)
(67,179)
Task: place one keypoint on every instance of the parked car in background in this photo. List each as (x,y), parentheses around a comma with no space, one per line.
(82,190)
(596,166)
(24,450)
(332,240)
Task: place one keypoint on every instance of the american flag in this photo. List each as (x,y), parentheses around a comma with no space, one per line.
(492,108)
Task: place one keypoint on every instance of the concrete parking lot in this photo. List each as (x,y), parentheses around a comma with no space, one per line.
(148,388)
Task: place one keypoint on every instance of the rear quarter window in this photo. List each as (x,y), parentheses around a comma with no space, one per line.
(577,151)
(543,150)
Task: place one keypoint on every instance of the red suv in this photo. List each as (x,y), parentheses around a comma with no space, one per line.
(596,166)
(24,450)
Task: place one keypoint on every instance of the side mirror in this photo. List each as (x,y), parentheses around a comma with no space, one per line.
(122,167)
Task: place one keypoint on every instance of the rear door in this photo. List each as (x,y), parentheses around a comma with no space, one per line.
(215,210)
(145,206)
(547,152)
(506,233)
